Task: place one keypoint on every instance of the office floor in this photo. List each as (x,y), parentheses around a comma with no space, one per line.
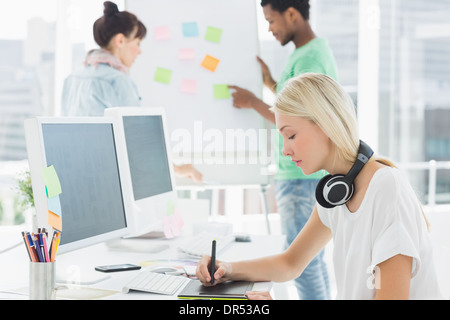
(439,220)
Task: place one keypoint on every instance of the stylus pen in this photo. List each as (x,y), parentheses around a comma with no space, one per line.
(213,261)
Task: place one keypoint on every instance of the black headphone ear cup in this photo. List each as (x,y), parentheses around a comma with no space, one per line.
(337,190)
(319,192)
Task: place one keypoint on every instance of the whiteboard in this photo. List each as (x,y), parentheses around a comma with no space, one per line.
(171,72)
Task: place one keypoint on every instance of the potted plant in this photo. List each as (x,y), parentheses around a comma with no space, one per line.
(26,198)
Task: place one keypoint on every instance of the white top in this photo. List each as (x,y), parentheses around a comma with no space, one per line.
(388,222)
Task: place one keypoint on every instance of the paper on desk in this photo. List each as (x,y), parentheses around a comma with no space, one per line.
(174,263)
(82,293)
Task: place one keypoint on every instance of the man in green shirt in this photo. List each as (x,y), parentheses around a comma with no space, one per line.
(295,192)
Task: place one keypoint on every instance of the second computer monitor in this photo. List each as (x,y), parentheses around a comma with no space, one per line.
(150,175)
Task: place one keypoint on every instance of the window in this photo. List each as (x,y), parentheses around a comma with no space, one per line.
(41,42)
(393,58)
(27,47)
(414,83)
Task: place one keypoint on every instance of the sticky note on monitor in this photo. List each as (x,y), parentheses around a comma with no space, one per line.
(51,180)
(210,63)
(54,205)
(163,75)
(54,221)
(161,33)
(190,29)
(221,91)
(213,34)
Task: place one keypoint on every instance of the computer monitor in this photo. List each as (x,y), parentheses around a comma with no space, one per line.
(150,175)
(84,153)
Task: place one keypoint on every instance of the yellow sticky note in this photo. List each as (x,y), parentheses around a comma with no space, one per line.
(55,221)
(210,63)
(51,181)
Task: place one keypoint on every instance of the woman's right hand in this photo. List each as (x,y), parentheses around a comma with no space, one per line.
(222,272)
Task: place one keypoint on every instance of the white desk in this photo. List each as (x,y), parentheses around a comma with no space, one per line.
(73,265)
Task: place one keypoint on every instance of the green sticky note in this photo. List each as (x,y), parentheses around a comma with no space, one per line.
(221,91)
(51,181)
(163,75)
(213,34)
(170,208)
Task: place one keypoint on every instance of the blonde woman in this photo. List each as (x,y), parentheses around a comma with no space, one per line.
(382,248)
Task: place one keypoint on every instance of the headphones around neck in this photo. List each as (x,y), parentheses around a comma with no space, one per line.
(336,190)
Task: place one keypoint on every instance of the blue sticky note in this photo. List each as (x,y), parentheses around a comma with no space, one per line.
(54,205)
(190,29)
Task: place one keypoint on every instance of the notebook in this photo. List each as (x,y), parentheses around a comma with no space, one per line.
(231,290)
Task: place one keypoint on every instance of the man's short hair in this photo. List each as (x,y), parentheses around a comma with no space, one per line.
(281,6)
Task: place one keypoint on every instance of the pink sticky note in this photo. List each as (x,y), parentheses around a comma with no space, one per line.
(186,54)
(178,220)
(167,228)
(161,33)
(176,230)
(189,86)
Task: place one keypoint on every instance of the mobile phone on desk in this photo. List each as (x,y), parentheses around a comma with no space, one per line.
(118,267)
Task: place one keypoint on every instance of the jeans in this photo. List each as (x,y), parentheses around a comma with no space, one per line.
(295,202)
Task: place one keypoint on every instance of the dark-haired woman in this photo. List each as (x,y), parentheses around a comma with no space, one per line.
(105,82)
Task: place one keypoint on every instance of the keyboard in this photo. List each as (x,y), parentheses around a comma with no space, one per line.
(201,244)
(153,282)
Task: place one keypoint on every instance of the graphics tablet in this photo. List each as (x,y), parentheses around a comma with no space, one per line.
(231,290)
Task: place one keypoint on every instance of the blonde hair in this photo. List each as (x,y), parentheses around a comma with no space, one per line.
(320,99)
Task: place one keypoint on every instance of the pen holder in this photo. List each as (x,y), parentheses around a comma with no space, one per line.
(42,281)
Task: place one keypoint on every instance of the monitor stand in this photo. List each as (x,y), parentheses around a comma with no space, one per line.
(139,244)
(148,235)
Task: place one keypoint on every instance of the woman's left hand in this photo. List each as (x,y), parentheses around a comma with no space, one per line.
(258,295)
